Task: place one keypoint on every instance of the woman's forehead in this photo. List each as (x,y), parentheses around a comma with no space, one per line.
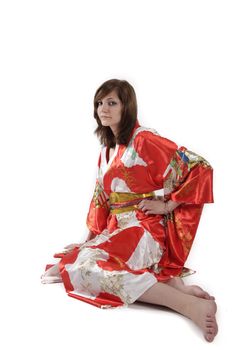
(109,95)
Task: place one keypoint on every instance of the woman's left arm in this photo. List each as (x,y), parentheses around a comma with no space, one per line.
(169,206)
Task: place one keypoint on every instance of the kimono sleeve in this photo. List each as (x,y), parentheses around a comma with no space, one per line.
(188,178)
(98,212)
(183,175)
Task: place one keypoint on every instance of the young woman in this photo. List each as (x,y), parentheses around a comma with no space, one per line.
(142,219)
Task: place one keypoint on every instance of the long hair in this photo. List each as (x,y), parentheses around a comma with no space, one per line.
(127,96)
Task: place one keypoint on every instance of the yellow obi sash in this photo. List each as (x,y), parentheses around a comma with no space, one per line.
(121,202)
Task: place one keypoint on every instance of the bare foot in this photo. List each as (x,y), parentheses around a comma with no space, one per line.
(198,292)
(177,282)
(202,312)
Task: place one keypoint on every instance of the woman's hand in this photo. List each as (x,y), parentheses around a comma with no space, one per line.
(70,247)
(67,249)
(73,245)
(157,206)
(152,206)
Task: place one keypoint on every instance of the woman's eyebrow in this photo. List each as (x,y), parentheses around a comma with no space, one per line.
(109,98)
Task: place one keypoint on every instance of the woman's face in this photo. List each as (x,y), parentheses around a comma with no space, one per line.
(109,111)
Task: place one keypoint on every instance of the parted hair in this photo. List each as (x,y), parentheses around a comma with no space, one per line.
(127,96)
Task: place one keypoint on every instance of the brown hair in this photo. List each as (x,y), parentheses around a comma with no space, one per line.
(127,96)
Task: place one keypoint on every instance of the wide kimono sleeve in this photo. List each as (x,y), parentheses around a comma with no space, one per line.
(186,178)
(98,212)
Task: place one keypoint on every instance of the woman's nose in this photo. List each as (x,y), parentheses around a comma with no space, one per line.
(104,106)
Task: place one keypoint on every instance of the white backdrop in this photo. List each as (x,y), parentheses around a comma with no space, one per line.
(54,55)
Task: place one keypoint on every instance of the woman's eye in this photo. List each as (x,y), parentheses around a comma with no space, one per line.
(111,103)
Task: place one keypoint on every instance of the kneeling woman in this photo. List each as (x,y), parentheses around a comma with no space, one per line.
(143,217)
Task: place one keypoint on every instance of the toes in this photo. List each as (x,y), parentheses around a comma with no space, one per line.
(206,295)
(201,293)
(211,328)
(216,330)
(210,334)
(209,337)
(210,297)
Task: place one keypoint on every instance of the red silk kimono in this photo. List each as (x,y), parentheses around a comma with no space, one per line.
(133,250)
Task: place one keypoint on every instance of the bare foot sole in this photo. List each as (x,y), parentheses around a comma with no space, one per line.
(177,282)
(202,312)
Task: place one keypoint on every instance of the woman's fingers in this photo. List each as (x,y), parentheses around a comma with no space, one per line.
(67,249)
(67,246)
(145,205)
(151,207)
(142,205)
(71,246)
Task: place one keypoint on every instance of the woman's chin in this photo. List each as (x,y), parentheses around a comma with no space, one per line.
(105,123)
